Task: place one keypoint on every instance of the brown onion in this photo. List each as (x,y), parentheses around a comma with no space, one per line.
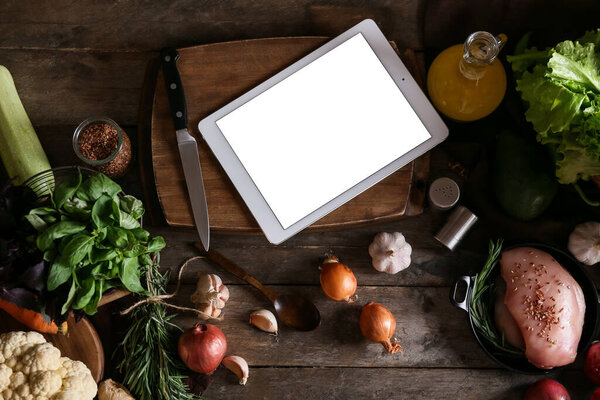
(378,324)
(202,348)
(337,281)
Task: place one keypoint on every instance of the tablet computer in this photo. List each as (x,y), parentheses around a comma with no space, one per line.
(322,131)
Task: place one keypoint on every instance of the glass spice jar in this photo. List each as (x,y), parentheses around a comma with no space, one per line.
(103,145)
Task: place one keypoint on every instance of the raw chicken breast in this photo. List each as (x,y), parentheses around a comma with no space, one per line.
(546,303)
(504,321)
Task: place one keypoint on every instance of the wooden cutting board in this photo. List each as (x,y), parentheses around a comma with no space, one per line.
(212,76)
(81,342)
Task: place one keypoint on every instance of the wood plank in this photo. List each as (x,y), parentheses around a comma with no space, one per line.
(385,383)
(431,331)
(228,70)
(134,25)
(65,87)
(513,17)
(297,262)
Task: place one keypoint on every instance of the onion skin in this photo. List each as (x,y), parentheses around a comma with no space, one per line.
(378,325)
(547,389)
(596,395)
(202,348)
(337,281)
(592,363)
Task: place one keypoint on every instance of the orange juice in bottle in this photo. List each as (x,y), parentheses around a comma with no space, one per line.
(466,82)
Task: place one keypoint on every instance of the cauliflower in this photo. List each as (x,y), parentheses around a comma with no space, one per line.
(32,369)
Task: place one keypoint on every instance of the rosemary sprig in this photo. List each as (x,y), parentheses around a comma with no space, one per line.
(482,303)
(150,365)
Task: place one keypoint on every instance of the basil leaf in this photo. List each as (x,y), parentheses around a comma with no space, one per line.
(84,294)
(37,222)
(132,205)
(65,190)
(129,273)
(100,234)
(102,210)
(70,297)
(92,307)
(135,250)
(96,186)
(77,248)
(60,229)
(43,211)
(156,244)
(117,237)
(145,259)
(59,274)
(141,234)
(127,221)
(76,212)
(49,255)
(50,219)
(113,271)
(97,255)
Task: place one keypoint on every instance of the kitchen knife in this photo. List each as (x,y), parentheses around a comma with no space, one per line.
(188,148)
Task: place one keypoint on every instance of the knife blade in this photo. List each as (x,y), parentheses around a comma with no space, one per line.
(188,147)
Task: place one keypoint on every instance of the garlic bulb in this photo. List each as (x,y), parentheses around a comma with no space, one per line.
(584,242)
(264,320)
(238,366)
(390,252)
(210,295)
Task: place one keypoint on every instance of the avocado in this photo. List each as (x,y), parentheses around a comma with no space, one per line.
(523,177)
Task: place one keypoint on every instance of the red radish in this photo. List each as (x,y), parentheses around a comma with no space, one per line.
(202,348)
(547,389)
(592,363)
(596,395)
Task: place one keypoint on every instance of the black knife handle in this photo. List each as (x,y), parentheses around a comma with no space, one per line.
(169,57)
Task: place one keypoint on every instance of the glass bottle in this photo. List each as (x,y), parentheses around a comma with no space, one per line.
(466,82)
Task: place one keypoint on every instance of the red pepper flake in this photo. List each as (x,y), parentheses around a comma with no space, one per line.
(99,141)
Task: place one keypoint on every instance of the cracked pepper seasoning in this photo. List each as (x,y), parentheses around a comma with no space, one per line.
(103,145)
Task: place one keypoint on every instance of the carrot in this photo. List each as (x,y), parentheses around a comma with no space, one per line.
(32,319)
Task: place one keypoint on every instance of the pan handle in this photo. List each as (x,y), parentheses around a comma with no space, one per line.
(463,305)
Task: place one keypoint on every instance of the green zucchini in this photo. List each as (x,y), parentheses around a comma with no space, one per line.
(20,149)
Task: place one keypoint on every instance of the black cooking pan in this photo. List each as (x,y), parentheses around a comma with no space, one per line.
(520,363)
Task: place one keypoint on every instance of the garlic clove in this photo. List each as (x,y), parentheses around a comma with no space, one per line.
(264,320)
(238,366)
(224,293)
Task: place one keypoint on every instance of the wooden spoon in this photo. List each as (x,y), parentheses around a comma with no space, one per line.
(294,310)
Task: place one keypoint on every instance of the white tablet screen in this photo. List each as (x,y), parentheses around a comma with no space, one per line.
(322,130)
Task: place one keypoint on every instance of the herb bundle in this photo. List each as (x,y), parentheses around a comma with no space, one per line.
(92,238)
(482,303)
(150,366)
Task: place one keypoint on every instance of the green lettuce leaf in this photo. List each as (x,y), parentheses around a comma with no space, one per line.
(562,95)
(574,165)
(552,107)
(574,62)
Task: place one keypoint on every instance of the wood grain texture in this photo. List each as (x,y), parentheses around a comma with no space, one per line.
(227,71)
(81,342)
(385,383)
(134,25)
(431,331)
(71,60)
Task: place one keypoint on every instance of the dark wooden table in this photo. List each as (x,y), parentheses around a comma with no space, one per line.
(71,60)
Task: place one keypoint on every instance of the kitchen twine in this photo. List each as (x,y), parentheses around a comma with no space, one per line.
(160,298)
